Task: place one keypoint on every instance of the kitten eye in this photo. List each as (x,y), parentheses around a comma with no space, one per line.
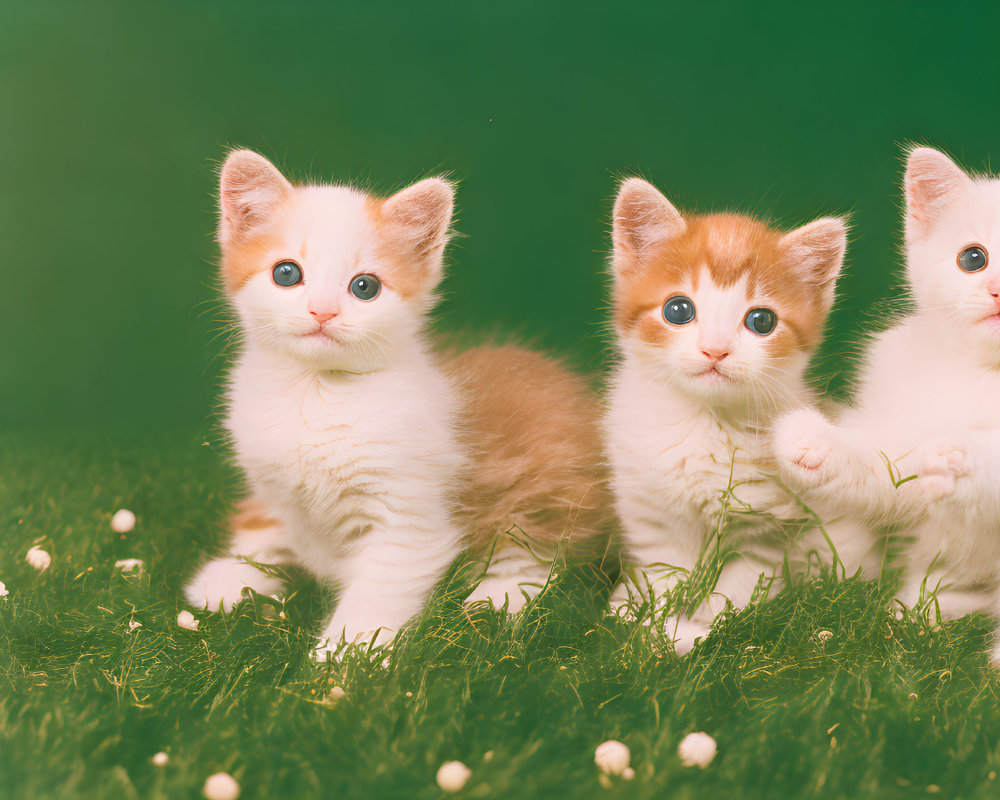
(973,259)
(678,310)
(761,320)
(287,273)
(366,287)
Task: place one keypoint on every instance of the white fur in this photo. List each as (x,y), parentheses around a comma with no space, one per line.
(344,431)
(929,401)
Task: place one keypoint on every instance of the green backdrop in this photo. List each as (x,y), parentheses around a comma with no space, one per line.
(114,116)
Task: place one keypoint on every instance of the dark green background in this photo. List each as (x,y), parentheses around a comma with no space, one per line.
(114,116)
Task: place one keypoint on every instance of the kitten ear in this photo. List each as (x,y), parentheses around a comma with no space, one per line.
(250,189)
(415,221)
(932,182)
(642,218)
(816,252)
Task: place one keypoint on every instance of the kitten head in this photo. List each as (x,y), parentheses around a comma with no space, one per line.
(953,246)
(331,277)
(721,306)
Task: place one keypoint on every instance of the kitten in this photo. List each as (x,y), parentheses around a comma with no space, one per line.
(716,317)
(927,402)
(372,461)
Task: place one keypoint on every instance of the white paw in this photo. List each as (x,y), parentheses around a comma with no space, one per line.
(500,590)
(685,633)
(804,448)
(333,643)
(222,581)
(939,464)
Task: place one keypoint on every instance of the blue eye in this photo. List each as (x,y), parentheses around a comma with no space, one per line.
(366,287)
(287,273)
(973,258)
(761,320)
(678,310)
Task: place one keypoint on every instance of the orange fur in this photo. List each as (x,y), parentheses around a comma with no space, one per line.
(531,427)
(731,247)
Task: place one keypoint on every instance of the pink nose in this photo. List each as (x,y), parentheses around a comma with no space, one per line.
(714,355)
(322,317)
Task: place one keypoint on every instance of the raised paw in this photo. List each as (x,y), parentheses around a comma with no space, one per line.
(222,581)
(938,465)
(803,446)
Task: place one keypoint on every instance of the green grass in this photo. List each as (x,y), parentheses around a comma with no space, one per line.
(885,708)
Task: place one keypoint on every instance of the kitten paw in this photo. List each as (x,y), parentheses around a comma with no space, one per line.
(685,633)
(221,583)
(804,448)
(501,590)
(939,464)
(332,646)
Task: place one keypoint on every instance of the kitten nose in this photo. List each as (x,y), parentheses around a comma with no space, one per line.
(713,354)
(321,316)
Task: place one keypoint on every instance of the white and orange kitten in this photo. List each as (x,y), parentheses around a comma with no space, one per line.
(372,461)
(928,402)
(716,318)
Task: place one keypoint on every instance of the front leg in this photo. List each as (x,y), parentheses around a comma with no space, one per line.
(389,580)
(256,535)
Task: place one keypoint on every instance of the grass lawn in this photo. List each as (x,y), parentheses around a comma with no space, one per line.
(883,708)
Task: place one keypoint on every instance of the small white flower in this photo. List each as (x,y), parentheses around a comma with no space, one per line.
(612,757)
(628,773)
(334,696)
(133,624)
(186,620)
(697,750)
(161,759)
(129,564)
(38,558)
(3,590)
(452,775)
(123,521)
(221,786)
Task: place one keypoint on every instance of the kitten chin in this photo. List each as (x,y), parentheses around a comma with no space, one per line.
(716,317)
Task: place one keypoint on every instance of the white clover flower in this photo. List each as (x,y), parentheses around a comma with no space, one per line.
(186,620)
(221,786)
(123,521)
(38,558)
(453,775)
(697,750)
(129,564)
(612,757)
(3,589)
(133,624)
(160,759)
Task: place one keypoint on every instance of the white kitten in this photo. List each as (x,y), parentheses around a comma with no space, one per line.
(372,462)
(928,402)
(340,418)
(716,318)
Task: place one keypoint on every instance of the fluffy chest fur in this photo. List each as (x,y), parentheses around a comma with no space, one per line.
(339,454)
(672,453)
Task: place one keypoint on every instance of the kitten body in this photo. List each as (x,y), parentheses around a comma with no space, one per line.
(926,404)
(373,461)
(691,402)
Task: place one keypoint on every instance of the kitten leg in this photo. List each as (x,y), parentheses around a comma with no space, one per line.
(513,577)
(391,578)
(221,582)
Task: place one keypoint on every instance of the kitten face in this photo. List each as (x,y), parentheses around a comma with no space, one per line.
(953,247)
(327,275)
(722,307)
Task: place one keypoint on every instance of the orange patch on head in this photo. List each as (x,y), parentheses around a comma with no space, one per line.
(730,248)
(244,259)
